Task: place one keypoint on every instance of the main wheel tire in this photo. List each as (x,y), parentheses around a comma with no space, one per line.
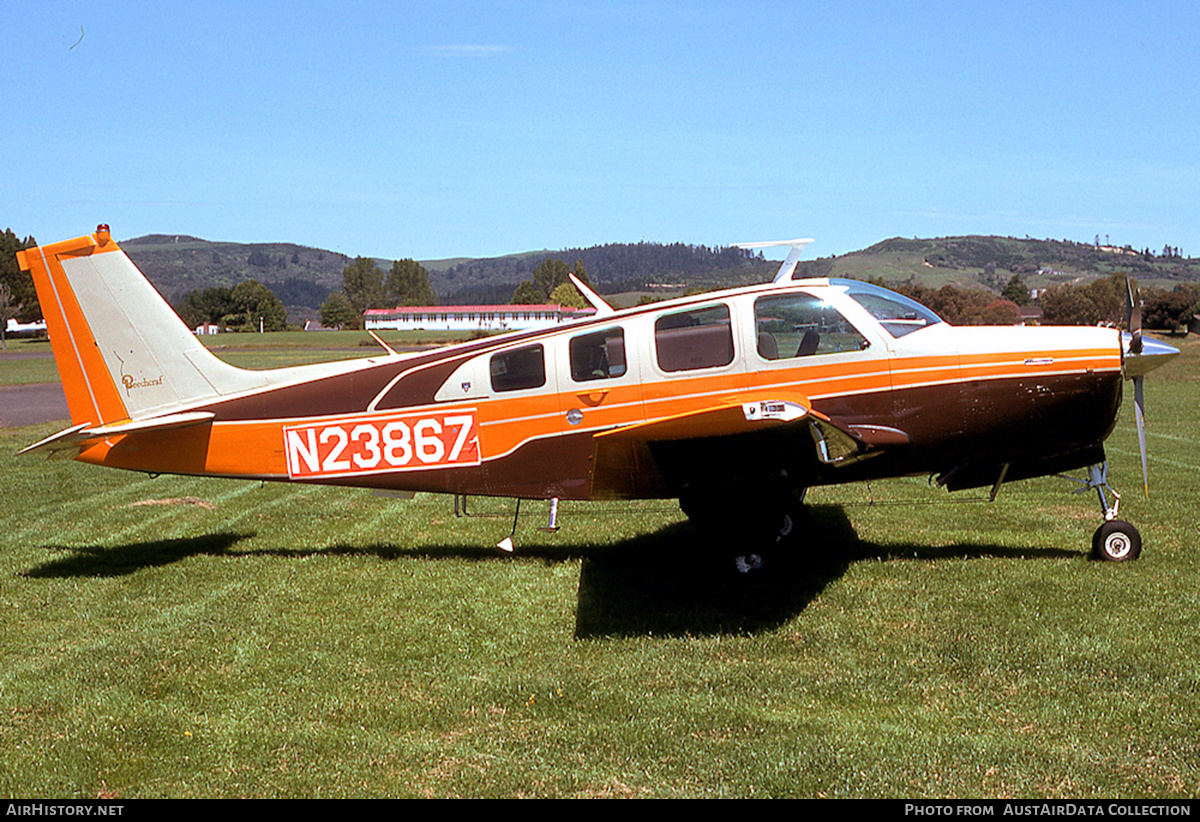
(767,519)
(1116,541)
(791,518)
(748,563)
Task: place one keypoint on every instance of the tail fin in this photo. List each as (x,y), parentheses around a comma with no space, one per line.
(122,352)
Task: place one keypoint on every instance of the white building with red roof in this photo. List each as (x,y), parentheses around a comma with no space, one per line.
(472,317)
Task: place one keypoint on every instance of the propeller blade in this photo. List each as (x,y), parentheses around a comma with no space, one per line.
(1139,413)
(1133,318)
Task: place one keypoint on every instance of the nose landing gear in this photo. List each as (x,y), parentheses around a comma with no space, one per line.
(1116,540)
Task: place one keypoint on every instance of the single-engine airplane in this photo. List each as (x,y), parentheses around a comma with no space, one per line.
(17,329)
(734,402)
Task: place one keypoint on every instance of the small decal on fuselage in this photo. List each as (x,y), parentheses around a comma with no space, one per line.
(381,444)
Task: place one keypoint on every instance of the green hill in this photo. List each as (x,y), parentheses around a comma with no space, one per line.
(177,264)
(302,276)
(990,262)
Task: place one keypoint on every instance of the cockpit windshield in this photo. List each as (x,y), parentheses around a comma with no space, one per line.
(898,314)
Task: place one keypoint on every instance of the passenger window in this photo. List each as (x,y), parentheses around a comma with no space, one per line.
(518,369)
(702,338)
(598,356)
(801,325)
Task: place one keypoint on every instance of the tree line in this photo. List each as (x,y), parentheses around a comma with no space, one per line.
(1100,302)
(248,306)
(1105,301)
(551,284)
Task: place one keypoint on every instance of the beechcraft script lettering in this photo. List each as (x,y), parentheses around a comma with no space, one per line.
(381,444)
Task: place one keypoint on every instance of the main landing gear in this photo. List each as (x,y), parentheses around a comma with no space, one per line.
(760,523)
(1116,540)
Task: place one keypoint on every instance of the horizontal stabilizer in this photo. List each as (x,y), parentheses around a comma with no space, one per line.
(72,441)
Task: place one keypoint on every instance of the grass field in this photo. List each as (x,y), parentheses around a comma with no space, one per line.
(175,637)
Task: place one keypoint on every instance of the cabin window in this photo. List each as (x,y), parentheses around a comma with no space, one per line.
(801,325)
(598,356)
(518,369)
(702,338)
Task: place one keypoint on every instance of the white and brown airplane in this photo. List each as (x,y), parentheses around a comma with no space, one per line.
(733,402)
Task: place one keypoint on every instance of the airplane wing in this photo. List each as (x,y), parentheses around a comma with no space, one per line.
(650,456)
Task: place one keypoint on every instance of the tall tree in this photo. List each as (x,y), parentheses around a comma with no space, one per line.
(527,294)
(1067,305)
(1172,310)
(546,278)
(408,284)
(1016,291)
(22,295)
(7,310)
(567,294)
(579,271)
(209,305)
(362,282)
(336,312)
(549,275)
(258,306)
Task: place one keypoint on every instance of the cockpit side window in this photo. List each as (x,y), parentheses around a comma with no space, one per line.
(700,338)
(801,325)
(896,313)
(598,356)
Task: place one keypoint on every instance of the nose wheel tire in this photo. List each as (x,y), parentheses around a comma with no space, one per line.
(1116,541)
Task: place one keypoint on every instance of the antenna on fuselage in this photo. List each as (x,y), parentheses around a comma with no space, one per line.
(598,303)
(386,347)
(789,263)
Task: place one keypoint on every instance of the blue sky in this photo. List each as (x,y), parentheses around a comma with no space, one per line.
(439,129)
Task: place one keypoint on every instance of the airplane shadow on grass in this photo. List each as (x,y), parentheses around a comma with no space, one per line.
(119,560)
(677,580)
(680,581)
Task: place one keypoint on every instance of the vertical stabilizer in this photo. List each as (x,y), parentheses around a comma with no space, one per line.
(122,352)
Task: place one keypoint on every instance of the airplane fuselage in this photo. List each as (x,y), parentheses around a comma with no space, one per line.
(529,414)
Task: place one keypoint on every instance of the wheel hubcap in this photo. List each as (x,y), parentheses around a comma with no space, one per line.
(1117,545)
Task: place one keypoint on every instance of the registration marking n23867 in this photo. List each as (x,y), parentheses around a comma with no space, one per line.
(378,444)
